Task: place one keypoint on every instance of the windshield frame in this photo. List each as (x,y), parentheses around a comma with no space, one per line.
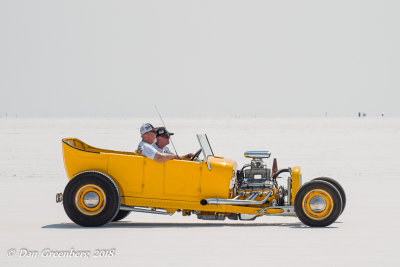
(205,148)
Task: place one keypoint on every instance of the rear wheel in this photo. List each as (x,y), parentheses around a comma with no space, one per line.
(318,204)
(91,199)
(338,187)
(122,214)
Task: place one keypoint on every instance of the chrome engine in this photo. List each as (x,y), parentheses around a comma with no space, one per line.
(252,181)
(256,175)
(253,185)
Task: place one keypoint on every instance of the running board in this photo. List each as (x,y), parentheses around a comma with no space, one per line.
(154,211)
(278,211)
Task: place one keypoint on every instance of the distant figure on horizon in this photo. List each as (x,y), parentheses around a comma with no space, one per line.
(362,114)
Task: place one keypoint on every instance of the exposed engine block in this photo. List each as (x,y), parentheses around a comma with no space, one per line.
(256,175)
(251,182)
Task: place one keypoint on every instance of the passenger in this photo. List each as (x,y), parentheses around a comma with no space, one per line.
(145,147)
(162,141)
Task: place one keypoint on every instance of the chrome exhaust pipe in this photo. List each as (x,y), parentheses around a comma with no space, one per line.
(250,197)
(254,196)
(239,196)
(236,202)
(243,193)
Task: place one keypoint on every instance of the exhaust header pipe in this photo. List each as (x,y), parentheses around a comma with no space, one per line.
(236,202)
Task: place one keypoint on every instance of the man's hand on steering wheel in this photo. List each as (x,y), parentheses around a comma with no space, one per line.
(195,155)
(189,155)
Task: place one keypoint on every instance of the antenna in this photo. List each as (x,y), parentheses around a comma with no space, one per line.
(165,128)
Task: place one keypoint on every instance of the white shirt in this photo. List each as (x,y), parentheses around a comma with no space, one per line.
(162,150)
(146,150)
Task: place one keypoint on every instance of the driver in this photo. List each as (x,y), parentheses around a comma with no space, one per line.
(162,141)
(148,133)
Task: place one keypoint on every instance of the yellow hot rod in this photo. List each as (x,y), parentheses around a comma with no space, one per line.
(106,185)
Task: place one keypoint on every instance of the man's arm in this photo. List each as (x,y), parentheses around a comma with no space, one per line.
(185,157)
(162,157)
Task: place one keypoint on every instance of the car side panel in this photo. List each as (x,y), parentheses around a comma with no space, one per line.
(153,178)
(127,172)
(182,178)
(175,179)
(141,177)
(215,183)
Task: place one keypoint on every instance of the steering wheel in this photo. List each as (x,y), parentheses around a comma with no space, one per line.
(196,155)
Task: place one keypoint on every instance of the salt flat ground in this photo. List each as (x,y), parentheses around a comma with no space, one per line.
(363,154)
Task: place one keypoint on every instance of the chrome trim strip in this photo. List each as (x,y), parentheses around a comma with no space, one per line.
(124,207)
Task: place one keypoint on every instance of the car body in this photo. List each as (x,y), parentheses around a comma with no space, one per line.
(105,185)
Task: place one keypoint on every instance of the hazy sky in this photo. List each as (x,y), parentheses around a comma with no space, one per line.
(199,58)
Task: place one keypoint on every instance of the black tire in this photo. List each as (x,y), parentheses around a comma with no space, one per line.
(105,198)
(324,192)
(338,187)
(122,214)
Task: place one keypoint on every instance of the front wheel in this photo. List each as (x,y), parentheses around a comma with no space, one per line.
(338,187)
(318,204)
(91,199)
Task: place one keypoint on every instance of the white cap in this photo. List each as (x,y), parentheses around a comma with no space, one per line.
(146,127)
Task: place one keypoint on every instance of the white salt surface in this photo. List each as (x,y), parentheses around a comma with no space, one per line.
(362,154)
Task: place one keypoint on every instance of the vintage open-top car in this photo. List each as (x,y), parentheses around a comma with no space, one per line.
(107,185)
